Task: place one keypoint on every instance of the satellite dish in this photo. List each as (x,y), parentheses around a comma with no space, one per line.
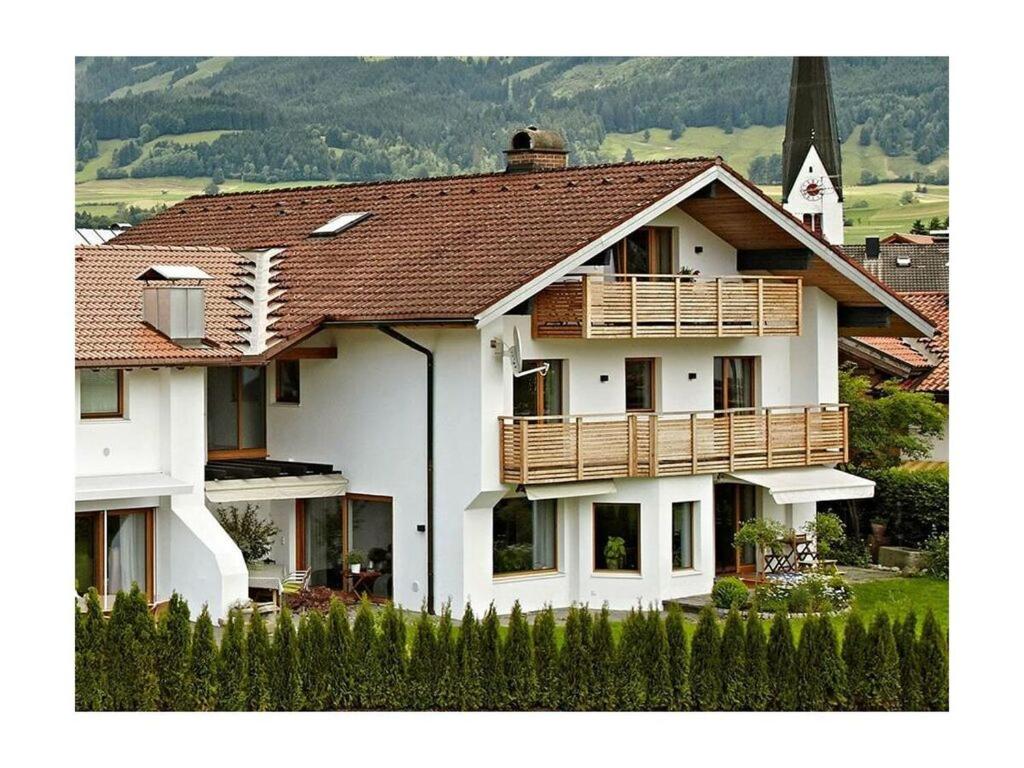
(515,353)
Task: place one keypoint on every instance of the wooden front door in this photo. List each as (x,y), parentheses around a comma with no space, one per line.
(735,503)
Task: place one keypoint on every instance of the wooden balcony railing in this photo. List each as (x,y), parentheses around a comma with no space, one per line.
(549,449)
(667,306)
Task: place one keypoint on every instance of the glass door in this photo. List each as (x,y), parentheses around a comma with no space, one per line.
(735,503)
(321,547)
(735,385)
(536,394)
(369,532)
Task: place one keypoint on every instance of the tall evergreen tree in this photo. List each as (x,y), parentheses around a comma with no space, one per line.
(257,645)
(364,676)
(855,659)
(492,672)
(313,661)
(285,673)
(810,672)
(755,659)
(602,681)
(678,660)
(421,681)
(732,662)
(934,661)
(631,659)
(90,656)
(545,659)
(232,676)
(339,657)
(832,670)
(882,678)
(660,695)
(447,694)
(781,665)
(517,656)
(174,644)
(202,665)
(574,662)
(705,668)
(131,654)
(390,653)
(467,661)
(910,664)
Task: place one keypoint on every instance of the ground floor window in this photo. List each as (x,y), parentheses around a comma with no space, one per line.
(524,535)
(113,550)
(617,537)
(682,535)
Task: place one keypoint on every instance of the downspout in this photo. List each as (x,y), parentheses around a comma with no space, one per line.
(389,331)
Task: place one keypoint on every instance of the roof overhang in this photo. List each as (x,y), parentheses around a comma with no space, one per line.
(102,487)
(866,353)
(797,486)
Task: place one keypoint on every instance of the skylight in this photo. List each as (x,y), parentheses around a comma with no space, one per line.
(340,223)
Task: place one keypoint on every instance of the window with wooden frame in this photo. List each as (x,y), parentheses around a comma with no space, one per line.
(735,383)
(640,384)
(647,251)
(113,550)
(616,537)
(682,535)
(536,394)
(286,381)
(236,412)
(524,536)
(101,393)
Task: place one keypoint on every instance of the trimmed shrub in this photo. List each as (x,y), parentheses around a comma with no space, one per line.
(705,669)
(936,556)
(313,661)
(659,681)
(447,693)
(422,675)
(285,673)
(257,645)
(603,683)
(730,592)
(781,665)
(678,660)
(631,688)
(831,665)
(90,656)
(934,666)
(339,657)
(913,503)
(467,662)
(732,663)
(364,678)
(390,660)
(202,665)
(517,656)
(910,666)
(855,650)
(851,550)
(574,661)
(755,657)
(810,676)
(494,686)
(545,659)
(174,643)
(130,654)
(882,673)
(231,673)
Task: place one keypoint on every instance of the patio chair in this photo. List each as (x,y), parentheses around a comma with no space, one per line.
(296,582)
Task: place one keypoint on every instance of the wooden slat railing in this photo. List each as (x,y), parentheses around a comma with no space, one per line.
(550,449)
(668,306)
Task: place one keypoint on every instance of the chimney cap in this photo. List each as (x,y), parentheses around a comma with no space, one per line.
(532,139)
(173,272)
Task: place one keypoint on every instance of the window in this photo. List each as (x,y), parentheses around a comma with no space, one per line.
(647,251)
(682,535)
(524,535)
(617,537)
(236,414)
(537,395)
(101,393)
(287,381)
(113,550)
(812,221)
(640,384)
(734,383)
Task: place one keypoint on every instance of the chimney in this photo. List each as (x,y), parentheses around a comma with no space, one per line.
(871,247)
(535,150)
(173,302)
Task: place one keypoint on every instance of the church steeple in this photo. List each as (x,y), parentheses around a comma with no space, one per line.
(812,185)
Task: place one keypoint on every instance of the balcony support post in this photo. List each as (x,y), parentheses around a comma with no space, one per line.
(718,303)
(579,448)
(846,434)
(807,435)
(631,441)
(653,445)
(799,306)
(632,307)
(731,449)
(586,306)
(525,447)
(760,306)
(768,436)
(693,443)
(679,307)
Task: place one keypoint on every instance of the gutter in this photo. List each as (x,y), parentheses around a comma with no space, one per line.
(389,331)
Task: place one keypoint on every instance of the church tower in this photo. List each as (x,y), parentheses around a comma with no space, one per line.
(812,183)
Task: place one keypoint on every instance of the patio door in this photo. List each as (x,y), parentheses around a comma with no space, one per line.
(735,503)
(113,550)
(319,540)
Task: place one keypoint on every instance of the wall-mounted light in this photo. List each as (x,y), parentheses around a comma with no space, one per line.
(692,376)
(604,377)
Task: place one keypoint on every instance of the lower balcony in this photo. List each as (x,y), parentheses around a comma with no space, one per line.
(552,449)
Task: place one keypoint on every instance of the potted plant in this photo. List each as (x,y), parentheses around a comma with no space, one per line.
(767,535)
(614,552)
(355,560)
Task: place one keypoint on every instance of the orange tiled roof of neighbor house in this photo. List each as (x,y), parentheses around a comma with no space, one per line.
(934,305)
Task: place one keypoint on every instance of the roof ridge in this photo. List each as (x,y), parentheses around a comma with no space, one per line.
(142,247)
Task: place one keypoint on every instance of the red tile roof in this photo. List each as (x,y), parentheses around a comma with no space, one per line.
(108,306)
(934,305)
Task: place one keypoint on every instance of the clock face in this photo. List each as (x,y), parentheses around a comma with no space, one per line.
(811,189)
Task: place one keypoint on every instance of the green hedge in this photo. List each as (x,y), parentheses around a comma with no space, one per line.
(128,662)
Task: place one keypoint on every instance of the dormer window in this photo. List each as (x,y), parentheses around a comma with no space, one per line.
(340,224)
(101,393)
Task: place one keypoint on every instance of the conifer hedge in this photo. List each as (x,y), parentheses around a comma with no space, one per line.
(130,662)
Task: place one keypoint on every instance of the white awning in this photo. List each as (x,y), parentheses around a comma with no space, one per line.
(100,487)
(269,488)
(569,490)
(795,486)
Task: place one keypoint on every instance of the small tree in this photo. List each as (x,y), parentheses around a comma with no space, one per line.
(423,665)
(517,656)
(390,662)
(447,693)
(174,643)
(545,659)
(660,695)
(574,662)
(781,665)
(131,654)
(467,661)
(910,664)
(855,660)
(339,657)
(494,686)
(631,659)
(831,665)
(882,676)
(90,656)
(232,676)
(810,675)
(314,661)
(602,682)
(705,667)
(755,657)
(202,665)
(285,674)
(364,676)
(934,666)
(678,660)
(257,645)
(732,662)
(250,532)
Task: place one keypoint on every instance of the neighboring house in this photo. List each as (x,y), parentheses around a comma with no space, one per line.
(907,238)
(94,236)
(904,266)
(496,387)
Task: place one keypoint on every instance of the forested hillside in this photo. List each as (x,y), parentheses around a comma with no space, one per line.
(291,119)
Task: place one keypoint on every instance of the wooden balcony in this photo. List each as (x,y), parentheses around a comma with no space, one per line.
(667,306)
(549,449)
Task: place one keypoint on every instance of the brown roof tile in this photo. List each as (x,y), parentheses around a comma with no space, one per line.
(934,305)
(928,270)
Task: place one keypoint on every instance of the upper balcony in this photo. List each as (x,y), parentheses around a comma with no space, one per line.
(632,306)
(552,449)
